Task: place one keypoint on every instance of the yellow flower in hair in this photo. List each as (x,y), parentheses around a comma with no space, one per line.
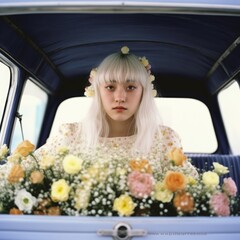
(144,61)
(89,91)
(125,50)
(154,93)
(151,78)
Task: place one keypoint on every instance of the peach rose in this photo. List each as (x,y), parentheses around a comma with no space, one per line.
(140,165)
(36,177)
(183,202)
(175,181)
(15,211)
(177,156)
(24,148)
(16,174)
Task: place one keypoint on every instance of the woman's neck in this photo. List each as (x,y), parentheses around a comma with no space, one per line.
(121,128)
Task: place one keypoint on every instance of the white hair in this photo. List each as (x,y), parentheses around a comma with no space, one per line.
(122,67)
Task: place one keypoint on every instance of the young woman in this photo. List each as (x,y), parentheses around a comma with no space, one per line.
(119,161)
(123,120)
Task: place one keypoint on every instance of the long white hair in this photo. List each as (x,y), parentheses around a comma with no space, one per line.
(122,67)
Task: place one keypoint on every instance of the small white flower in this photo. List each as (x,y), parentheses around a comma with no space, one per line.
(25,201)
(125,50)
(3,151)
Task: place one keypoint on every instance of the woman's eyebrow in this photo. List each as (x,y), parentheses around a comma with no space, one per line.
(130,80)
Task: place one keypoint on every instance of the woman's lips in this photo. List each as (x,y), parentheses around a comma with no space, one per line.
(119,108)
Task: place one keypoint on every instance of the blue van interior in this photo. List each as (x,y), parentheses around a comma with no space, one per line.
(194,53)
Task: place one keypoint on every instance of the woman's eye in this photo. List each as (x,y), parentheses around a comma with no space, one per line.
(131,88)
(110,87)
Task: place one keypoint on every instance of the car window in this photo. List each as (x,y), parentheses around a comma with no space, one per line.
(229,100)
(30,115)
(190,118)
(4,87)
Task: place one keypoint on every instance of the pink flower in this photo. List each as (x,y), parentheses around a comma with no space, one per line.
(229,187)
(140,184)
(219,202)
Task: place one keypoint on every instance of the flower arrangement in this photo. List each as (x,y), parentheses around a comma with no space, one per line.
(74,184)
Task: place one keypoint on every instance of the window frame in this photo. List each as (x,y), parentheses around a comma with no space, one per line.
(10,100)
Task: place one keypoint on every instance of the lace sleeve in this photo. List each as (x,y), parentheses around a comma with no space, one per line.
(65,137)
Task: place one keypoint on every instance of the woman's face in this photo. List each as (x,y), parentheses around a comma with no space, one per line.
(121,100)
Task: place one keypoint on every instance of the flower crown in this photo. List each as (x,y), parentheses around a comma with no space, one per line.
(89,91)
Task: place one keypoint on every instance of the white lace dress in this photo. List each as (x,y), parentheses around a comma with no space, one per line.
(165,140)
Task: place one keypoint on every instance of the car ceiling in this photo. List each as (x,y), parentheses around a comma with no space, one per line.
(189,53)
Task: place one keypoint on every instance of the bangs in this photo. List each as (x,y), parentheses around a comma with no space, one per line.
(122,69)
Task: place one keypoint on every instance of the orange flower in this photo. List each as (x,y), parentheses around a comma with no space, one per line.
(24,148)
(15,211)
(140,165)
(183,202)
(54,211)
(16,174)
(175,181)
(177,156)
(36,177)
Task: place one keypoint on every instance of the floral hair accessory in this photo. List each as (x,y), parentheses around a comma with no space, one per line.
(89,91)
(125,50)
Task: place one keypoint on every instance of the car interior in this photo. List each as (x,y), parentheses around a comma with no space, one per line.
(193,51)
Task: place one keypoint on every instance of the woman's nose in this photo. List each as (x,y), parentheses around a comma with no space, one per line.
(120,95)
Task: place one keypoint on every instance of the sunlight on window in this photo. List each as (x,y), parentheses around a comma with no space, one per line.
(4,86)
(229,100)
(188,117)
(32,108)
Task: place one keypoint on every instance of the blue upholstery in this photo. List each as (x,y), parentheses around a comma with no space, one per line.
(204,163)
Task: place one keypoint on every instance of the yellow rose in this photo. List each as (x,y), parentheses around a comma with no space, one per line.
(60,191)
(24,148)
(210,179)
(124,205)
(46,161)
(125,50)
(161,193)
(177,156)
(219,168)
(72,164)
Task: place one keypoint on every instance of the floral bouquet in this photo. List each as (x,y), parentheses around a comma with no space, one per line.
(76,185)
